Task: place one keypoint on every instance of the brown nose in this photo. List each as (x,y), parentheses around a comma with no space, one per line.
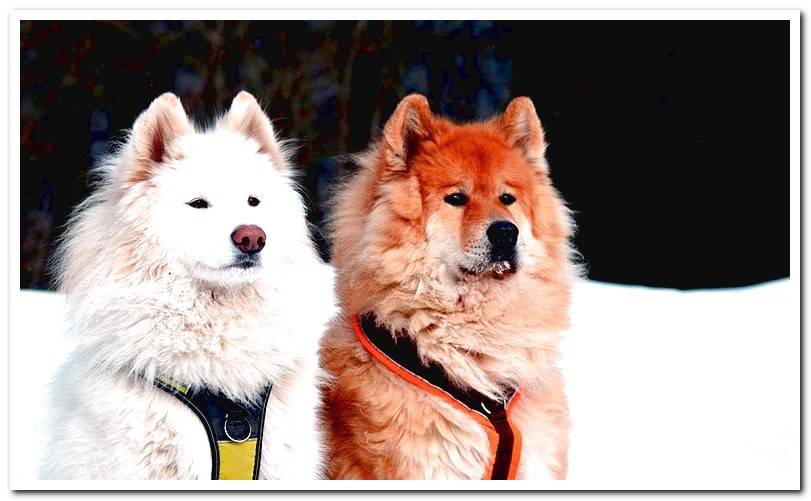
(250,239)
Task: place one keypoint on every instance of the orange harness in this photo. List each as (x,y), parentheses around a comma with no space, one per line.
(399,355)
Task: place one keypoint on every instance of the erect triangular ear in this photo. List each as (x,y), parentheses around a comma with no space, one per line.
(521,125)
(154,132)
(247,118)
(411,122)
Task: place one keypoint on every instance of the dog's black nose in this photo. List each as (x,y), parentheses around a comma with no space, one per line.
(502,235)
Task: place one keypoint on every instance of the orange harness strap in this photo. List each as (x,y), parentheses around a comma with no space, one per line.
(399,355)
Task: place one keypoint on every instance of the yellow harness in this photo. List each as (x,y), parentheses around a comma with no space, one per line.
(234,429)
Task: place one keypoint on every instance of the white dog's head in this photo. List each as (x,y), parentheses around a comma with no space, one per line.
(216,205)
(224,207)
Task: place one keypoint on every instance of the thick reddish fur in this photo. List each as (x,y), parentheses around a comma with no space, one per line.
(391,233)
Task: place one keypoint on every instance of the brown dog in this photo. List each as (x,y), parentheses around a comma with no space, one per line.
(454,275)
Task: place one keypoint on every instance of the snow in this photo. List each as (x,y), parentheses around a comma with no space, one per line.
(668,389)
(673,389)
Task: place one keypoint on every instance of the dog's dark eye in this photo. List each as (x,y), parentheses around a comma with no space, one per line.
(507,199)
(253,201)
(456,199)
(198,203)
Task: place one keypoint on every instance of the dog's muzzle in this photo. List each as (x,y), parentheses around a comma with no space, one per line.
(503,237)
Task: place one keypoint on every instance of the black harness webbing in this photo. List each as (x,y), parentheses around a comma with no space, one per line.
(234,429)
(402,353)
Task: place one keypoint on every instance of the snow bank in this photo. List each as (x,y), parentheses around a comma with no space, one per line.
(667,389)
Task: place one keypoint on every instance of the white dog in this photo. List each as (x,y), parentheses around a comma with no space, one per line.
(191,285)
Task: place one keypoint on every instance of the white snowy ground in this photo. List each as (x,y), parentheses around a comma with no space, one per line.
(668,389)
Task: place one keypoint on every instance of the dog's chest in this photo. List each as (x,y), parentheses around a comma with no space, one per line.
(440,442)
(194,453)
(468,438)
(440,430)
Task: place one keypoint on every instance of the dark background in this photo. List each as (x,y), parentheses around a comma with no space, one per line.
(669,139)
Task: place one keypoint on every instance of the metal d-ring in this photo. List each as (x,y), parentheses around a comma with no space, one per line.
(225,428)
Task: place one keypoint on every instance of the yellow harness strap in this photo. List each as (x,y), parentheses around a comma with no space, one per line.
(237,459)
(234,429)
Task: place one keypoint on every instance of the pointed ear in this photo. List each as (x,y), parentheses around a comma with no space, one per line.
(411,123)
(521,125)
(247,118)
(154,132)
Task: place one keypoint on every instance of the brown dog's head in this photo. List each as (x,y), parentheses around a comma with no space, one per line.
(439,208)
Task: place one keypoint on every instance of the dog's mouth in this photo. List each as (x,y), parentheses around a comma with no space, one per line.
(499,270)
(245,263)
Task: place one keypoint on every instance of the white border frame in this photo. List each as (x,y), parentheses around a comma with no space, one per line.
(18,414)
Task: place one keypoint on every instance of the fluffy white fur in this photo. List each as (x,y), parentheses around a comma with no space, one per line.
(151,290)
